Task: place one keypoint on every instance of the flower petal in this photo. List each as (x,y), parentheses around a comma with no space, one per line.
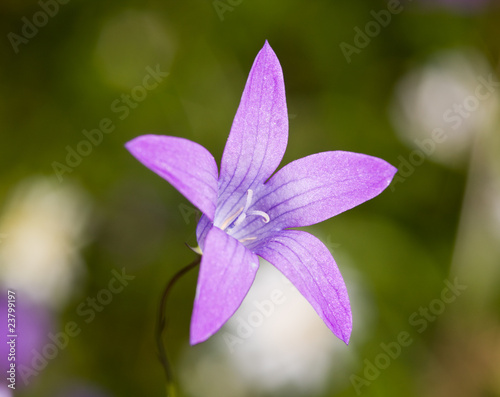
(308,264)
(317,187)
(188,166)
(226,273)
(259,133)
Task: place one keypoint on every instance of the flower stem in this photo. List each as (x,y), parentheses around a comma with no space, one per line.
(161,327)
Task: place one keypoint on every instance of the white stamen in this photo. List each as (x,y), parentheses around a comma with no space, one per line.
(243,215)
(247,239)
(262,214)
(249,199)
(228,221)
(240,219)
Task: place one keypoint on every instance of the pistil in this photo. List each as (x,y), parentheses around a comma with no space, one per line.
(242,213)
(229,220)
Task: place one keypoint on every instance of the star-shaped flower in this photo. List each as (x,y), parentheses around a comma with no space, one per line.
(249,212)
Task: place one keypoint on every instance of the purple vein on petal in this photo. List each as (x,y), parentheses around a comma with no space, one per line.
(332,308)
(194,176)
(263,96)
(243,180)
(187,165)
(275,218)
(298,259)
(250,185)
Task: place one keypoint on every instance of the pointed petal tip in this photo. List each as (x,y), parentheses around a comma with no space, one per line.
(268,50)
(347,336)
(133,144)
(382,170)
(389,173)
(392,170)
(343,329)
(197,332)
(130,144)
(196,338)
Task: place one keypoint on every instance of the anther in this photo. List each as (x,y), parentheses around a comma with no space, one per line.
(247,239)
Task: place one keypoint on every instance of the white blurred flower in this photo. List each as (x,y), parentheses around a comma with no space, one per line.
(274,343)
(44,223)
(456,93)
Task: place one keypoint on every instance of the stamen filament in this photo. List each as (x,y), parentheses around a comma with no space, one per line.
(240,219)
(229,220)
(247,239)
(243,215)
(249,199)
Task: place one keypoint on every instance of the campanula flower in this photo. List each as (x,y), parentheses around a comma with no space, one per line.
(249,212)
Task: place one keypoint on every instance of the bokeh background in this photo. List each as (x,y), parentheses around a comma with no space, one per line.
(88,241)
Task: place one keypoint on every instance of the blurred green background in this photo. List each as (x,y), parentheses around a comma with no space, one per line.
(384,83)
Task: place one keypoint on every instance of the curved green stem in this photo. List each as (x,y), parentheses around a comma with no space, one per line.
(162,325)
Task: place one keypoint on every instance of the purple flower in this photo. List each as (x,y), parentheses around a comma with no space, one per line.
(33,324)
(245,217)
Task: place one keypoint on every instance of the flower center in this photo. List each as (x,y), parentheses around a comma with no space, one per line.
(241,214)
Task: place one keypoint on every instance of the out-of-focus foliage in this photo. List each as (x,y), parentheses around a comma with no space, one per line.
(94,236)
